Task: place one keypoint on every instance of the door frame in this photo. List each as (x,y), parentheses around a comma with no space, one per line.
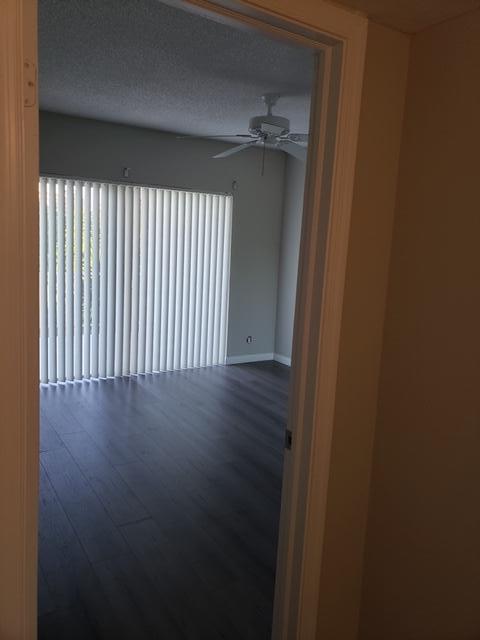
(341,36)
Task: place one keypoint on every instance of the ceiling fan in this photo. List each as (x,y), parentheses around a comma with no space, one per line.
(268,129)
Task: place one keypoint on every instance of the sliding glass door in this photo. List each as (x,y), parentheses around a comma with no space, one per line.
(133,279)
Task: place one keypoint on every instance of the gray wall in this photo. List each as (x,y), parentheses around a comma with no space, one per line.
(99,150)
(289,252)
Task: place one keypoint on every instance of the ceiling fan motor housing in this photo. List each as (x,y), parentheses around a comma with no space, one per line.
(269,126)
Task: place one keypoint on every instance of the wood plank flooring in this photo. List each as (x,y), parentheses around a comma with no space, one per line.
(159,505)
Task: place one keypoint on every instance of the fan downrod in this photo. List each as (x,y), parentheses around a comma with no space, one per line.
(270,100)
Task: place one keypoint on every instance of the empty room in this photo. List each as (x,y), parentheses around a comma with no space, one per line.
(172,168)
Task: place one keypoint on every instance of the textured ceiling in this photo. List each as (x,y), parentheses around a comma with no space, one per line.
(143,63)
(412,16)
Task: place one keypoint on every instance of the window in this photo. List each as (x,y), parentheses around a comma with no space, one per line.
(133,279)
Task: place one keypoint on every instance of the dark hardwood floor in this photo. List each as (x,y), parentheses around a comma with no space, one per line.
(160,499)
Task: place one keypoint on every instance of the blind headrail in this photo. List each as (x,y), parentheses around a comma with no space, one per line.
(132,183)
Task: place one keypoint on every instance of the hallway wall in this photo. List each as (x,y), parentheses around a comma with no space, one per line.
(422,568)
(373,210)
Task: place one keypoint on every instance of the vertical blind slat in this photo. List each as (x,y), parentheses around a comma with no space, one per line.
(127,281)
(119,268)
(178,277)
(69,280)
(43,283)
(206,283)
(172,280)
(157,306)
(135,280)
(165,281)
(86,276)
(186,281)
(199,287)
(132,279)
(102,333)
(111,277)
(52,281)
(218,280)
(77,280)
(95,202)
(150,282)
(60,201)
(211,281)
(227,239)
(142,287)
(192,280)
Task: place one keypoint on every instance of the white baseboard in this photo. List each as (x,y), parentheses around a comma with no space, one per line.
(259,357)
(282,359)
(250,357)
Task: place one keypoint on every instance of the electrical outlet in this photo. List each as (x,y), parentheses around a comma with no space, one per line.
(249,339)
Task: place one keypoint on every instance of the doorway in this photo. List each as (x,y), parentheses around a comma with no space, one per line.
(168,269)
(301,424)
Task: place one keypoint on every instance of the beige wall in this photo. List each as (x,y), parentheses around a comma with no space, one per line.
(422,567)
(362,326)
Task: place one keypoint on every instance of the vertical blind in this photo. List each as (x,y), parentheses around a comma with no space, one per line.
(133,279)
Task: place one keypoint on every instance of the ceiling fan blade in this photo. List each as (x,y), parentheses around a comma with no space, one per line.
(294,150)
(232,150)
(223,135)
(298,138)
